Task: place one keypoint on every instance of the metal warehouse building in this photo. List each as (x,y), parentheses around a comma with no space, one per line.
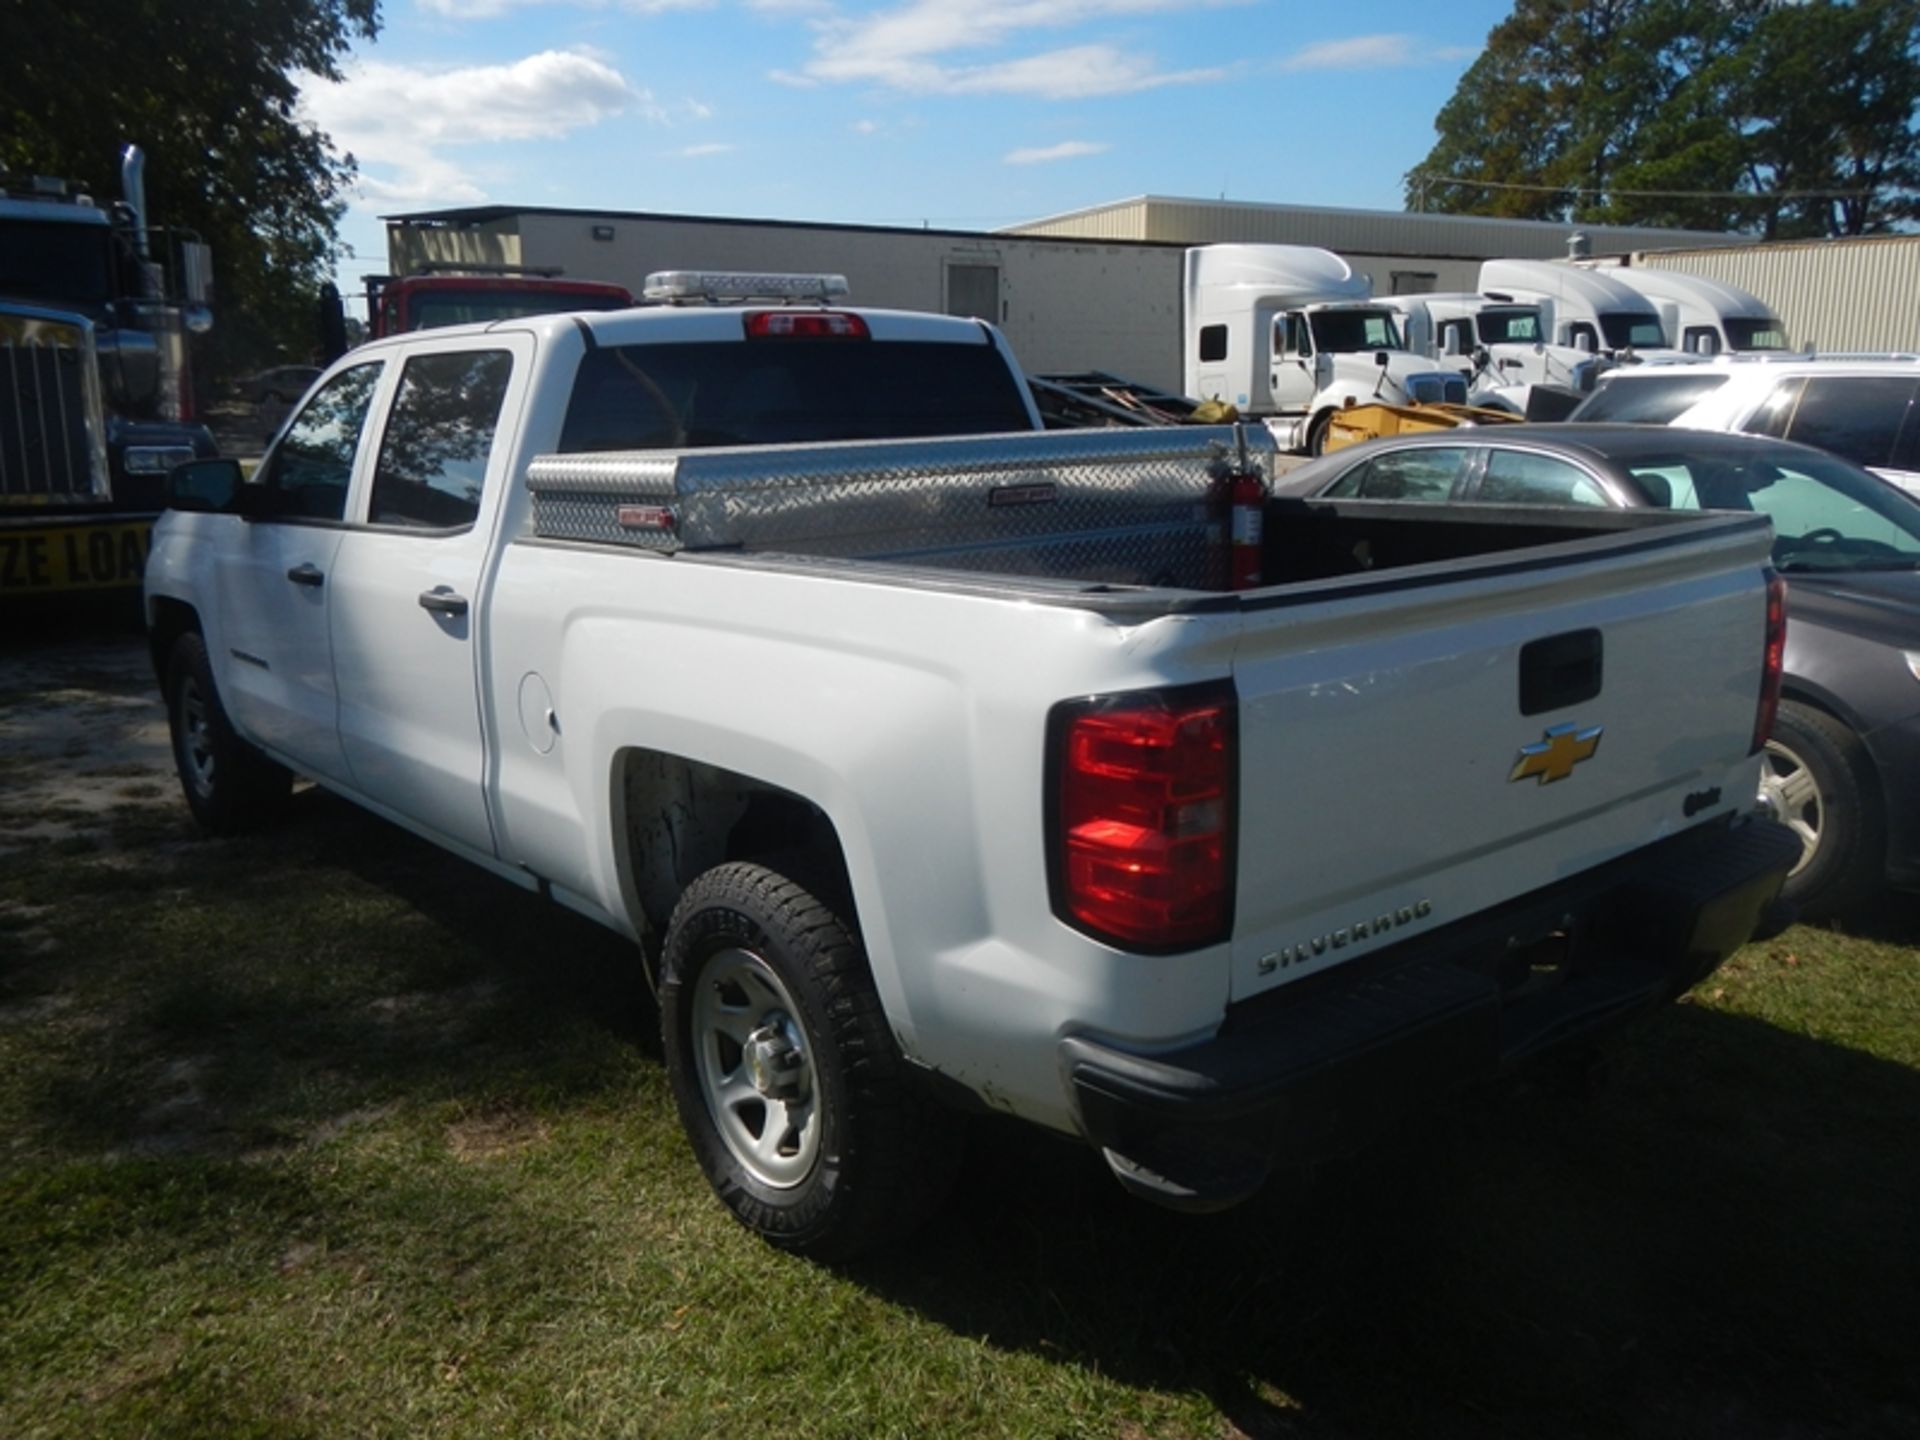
(1097,289)
(1861,294)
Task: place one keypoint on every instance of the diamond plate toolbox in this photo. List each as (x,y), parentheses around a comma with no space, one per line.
(1121,503)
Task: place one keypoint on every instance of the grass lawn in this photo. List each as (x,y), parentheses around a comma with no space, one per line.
(322,1134)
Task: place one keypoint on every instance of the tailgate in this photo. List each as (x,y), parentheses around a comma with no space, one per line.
(1419,747)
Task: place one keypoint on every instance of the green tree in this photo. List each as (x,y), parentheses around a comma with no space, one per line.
(1790,118)
(209,92)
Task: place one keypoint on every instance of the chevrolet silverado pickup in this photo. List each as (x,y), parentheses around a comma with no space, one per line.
(937,764)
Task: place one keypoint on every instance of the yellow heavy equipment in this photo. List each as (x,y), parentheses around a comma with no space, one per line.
(1369,422)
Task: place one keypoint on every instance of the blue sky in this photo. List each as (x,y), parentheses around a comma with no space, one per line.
(967,114)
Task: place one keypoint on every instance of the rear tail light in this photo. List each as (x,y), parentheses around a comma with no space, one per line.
(1140,839)
(1774,664)
(804,325)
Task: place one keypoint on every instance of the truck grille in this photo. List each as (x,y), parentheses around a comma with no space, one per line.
(52,444)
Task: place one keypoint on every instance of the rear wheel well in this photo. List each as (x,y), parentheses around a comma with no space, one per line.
(675,819)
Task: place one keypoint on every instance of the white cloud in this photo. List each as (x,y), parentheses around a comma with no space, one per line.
(904,49)
(865,127)
(1065,150)
(1371,52)
(395,119)
(494,9)
(694,152)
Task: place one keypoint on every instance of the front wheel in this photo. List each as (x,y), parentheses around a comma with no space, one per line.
(788,1082)
(1816,780)
(1317,433)
(229,785)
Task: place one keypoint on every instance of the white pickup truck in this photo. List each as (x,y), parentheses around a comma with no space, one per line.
(935,773)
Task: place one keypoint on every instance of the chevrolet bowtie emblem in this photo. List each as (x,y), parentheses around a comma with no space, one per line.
(1562,748)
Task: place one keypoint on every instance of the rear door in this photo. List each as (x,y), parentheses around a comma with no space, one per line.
(408,583)
(1419,747)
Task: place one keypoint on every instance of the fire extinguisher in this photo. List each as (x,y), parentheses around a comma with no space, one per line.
(1237,505)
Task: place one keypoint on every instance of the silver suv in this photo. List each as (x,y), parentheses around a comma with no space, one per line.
(1861,408)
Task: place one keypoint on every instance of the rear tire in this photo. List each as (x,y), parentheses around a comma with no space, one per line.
(788,1082)
(230,786)
(1817,780)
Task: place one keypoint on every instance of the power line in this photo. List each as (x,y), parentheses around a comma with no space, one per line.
(1426,180)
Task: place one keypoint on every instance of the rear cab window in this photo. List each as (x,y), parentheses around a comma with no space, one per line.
(694,394)
(1654,400)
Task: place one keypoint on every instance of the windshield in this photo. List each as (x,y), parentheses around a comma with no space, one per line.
(66,264)
(776,392)
(1655,400)
(1345,331)
(430,309)
(1509,327)
(1755,335)
(1642,332)
(1827,515)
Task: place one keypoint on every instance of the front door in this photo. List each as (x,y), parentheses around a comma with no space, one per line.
(411,574)
(1293,379)
(275,658)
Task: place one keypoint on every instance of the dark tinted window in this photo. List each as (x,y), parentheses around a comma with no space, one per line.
(1422,474)
(433,457)
(776,391)
(1509,327)
(56,262)
(433,309)
(1342,332)
(313,464)
(1755,335)
(1641,331)
(1857,417)
(1213,342)
(1656,400)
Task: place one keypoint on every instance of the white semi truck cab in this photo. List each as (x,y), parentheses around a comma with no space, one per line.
(1290,334)
(1501,346)
(1587,310)
(1703,316)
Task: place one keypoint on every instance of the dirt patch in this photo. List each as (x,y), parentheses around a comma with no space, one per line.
(494,1137)
(83,741)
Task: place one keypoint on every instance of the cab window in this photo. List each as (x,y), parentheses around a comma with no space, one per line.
(312,465)
(433,457)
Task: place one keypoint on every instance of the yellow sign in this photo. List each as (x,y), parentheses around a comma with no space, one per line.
(44,559)
(1562,748)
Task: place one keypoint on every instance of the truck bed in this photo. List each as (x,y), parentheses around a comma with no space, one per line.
(1119,520)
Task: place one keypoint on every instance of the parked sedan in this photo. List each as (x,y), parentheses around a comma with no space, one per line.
(1843,766)
(283,384)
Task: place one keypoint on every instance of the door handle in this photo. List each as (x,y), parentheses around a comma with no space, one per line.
(306,575)
(443,602)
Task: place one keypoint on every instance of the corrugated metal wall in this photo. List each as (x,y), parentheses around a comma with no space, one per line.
(1377,232)
(1832,294)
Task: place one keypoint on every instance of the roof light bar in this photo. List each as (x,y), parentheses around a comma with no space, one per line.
(716,286)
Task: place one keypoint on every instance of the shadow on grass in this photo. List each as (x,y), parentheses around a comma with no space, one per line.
(243,993)
(1726,1243)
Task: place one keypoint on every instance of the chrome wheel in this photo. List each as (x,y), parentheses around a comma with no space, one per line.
(195,732)
(755,1068)
(1791,795)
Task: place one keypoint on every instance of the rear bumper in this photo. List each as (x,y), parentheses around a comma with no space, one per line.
(1290,1072)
